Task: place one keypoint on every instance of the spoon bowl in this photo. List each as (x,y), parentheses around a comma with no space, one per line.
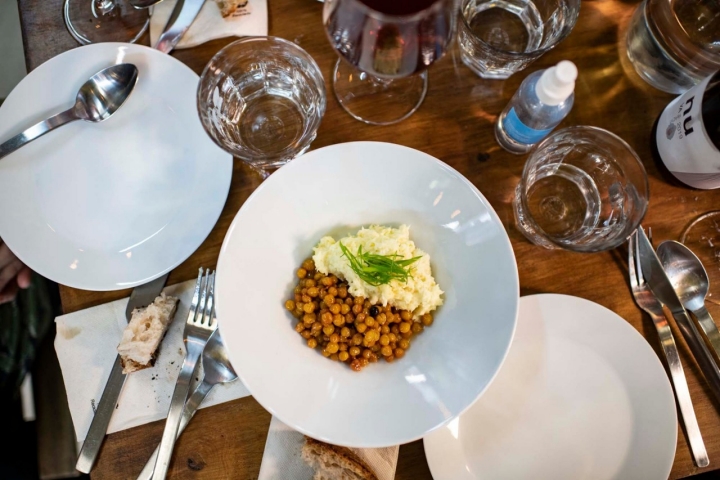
(686,273)
(105,92)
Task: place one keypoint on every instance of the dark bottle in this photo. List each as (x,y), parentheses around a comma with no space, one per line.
(688,135)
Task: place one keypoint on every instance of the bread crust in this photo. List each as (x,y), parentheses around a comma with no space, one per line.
(314,452)
(228,7)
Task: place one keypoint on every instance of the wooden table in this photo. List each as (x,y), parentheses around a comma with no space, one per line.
(455,124)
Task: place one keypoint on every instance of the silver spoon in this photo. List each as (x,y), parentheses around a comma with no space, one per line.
(97,100)
(691,283)
(218,370)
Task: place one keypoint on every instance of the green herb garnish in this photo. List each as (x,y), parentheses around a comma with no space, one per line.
(378,270)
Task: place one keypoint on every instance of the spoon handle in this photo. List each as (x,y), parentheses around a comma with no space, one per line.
(709,328)
(37,130)
(191,407)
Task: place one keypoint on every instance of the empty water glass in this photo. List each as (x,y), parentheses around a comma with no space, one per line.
(582,189)
(500,37)
(262,99)
(675,44)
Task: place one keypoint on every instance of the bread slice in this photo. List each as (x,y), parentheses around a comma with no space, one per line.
(334,463)
(228,7)
(144,332)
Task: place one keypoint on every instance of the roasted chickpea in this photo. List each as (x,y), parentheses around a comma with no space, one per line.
(384,340)
(386,351)
(308,264)
(405,327)
(404,343)
(335,309)
(399,353)
(302,273)
(354,351)
(332,347)
(366,353)
(290,305)
(306,334)
(361,327)
(345,309)
(312,343)
(333,291)
(357,339)
(299,327)
(313,292)
(328,329)
(309,319)
(405,315)
(427,319)
(338,320)
(345,332)
(308,307)
(417,327)
(343,356)
(328,299)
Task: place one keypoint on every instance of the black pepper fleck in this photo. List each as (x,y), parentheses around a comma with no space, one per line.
(483,157)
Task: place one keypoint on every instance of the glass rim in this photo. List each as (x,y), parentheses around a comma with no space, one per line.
(390,18)
(522,185)
(566,31)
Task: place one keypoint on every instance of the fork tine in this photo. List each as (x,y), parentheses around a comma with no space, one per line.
(203,295)
(638,265)
(196,295)
(631,260)
(207,317)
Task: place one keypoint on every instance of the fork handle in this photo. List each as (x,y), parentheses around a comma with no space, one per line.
(191,407)
(701,352)
(682,393)
(177,404)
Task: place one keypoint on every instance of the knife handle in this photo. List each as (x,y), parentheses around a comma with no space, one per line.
(703,355)
(101,420)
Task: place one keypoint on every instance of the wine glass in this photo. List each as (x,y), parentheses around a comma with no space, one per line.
(702,236)
(385,48)
(94,21)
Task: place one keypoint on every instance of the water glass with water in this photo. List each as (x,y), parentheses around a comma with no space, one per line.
(582,189)
(500,37)
(262,99)
(675,44)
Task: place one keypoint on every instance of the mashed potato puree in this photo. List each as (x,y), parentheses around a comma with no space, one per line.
(420,294)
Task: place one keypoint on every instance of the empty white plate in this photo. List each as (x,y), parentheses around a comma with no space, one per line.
(115,204)
(581,396)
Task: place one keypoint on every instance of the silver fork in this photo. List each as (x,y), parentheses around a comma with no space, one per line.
(200,326)
(647,301)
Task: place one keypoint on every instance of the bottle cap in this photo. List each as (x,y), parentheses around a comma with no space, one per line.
(557,83)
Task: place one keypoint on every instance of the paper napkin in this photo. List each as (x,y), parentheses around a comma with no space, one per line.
(282,458)
(86,344)
(252,19)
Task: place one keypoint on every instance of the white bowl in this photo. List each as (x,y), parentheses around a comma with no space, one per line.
(337,190)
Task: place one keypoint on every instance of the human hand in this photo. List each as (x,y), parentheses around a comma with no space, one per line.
(13,274)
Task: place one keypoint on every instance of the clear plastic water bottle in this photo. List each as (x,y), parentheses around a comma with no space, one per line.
(544,98)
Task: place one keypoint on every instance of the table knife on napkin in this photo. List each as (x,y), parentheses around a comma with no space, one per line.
(141,296)
(179,22)
(663,290)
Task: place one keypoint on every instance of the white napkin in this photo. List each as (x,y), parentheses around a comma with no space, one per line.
(282,458)
(210,24)
(86,345)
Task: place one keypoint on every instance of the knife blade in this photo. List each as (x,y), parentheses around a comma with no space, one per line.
(183,15)
(663,290)
(141,296)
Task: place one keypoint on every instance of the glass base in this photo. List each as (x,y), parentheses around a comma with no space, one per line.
(95,21)
(374,100)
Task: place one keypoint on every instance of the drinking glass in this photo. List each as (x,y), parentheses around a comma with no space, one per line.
(582,189)
(500,37)
(702,236)
(93,21)
(385,47)
(262,99)
(675,44)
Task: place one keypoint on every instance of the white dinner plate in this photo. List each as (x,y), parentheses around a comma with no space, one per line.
(336,190)
(110,205)
(581,396)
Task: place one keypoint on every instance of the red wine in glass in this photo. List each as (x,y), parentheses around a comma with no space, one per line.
(390,38)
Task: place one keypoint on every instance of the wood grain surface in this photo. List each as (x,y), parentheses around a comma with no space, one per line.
(455,124)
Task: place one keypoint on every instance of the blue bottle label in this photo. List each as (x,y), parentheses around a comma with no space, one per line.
(520,132)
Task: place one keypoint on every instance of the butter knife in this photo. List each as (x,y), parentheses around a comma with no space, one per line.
(141,296)
(661,287)
(183,15)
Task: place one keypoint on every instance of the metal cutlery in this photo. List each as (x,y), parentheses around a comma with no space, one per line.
(179,22)
(690,280)
(199,328)
(218,370)
(141,296)
(647,302)
(98,99)
(663,290)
